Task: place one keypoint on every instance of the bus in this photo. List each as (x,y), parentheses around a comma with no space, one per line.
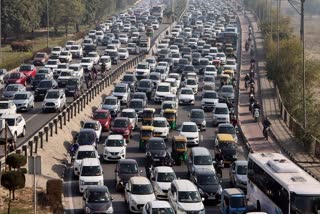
(157,11)
(277,185)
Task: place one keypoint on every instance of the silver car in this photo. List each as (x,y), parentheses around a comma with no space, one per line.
(24,100)
(132,115)
(11,90)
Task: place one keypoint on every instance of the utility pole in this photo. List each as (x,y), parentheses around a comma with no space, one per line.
(47,23)
(271,20)
(0,31)
(278,33)
(303,66)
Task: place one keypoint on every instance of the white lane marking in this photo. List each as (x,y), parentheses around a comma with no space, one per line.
(201,138)
(33,116)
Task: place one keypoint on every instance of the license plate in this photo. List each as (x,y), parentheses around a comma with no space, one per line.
(211,197)
(156,159)
(157,135)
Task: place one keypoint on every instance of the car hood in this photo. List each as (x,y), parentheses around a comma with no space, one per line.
(116,94)
(243,178)
(210,188)
(99,207)
(209,100)
(126,176)
(119,129)
(197,206)
(161,129)
(162,93)
(113,149)
(227,94)
(142,70)
(158,153)
(50,100)
(186,96)
(163,185)
(209,167)
(190,134)
(17,102)
(143,89)
(109,107)
(197,120)
(9,93)
(143,199)
(51,66)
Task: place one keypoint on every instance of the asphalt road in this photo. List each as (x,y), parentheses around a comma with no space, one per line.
(36,119)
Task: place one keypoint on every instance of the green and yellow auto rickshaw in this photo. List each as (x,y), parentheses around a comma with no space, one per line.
(225,79)
(147,116)
(171,116)
(229,52)
(149,32)
(179,149)
(146,132)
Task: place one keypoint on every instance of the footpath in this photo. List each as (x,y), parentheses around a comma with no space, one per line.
(282,139)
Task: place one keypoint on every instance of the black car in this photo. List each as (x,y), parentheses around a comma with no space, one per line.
(37,79)
(115,59)
(97,199)
(156,151)
(163,53)
(89,48)
(182,62)
(44,85)
(106,40)
(74,87)
(208,184)
(146,86)
(125,169)
(131,80)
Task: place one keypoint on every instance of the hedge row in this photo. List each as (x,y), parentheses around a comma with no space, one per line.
(22,46)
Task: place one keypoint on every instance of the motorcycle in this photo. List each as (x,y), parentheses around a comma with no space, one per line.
(251,106)
(256,114)
(251,73)
(72,151)
(266,132)
(246,84)
(219,166)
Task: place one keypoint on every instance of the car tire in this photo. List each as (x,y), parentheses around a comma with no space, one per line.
(15,137)
(23,132)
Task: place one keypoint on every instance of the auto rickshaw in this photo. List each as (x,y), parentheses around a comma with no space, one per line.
(146,132)
(171,116)
(149,32)
(179,149)
(226,144)
(225,78)
(229,52)
(147,116)
(229,72)
(233,200)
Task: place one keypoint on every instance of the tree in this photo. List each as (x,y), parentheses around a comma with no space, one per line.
(16,161)
(13,180)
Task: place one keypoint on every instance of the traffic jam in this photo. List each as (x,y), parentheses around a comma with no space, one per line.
(166,136)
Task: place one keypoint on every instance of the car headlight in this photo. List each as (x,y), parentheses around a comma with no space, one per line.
(81,182)
(200,191)
(122,151)
(203,123)
(180,208)
(110,210)
(100,183)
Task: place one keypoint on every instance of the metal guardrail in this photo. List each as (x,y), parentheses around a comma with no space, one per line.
(39,137)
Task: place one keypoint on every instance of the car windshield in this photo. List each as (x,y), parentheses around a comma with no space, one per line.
(231,62)
(110,102)
(122,51)
(227,89)
(85,154)
(189,197)
(210,95)
(65,74)
(10,121)
(91,171)
(210,179)
(166,176)
(220,55)
(75,48)
(130,45)
(100,115)
(86,137)
(151,61)
(189,128)
(156,145)
(186,92)
(154,77)
(90,126)
(4,105)
(92,55)
(210,68)
(25,68)
(128,168)
(159,123)
(56,49)
(14,76)
(237,202)
(142,66)
(136,104)
(163,88)
(144,84)
(221,110)
(120,89)
(52,95)
(40,55)
(139,96)
(20,96)
(86,61)
(168,105)
(242,169)
(208,79)
(98,197)
(141,189)
(12,88)
(202,160)
(64,53)
(72,82)
(168,210)
(128,78)
(226,130)
(45,84)
(160,70)
(120,124)
(175,55)
(128,114)
(52,62)
(115,143)
(40,77)
(197,114)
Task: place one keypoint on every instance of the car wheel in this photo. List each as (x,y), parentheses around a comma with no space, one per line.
(15,137)
(23,132)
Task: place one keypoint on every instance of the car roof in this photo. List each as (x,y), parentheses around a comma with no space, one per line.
(160,204)
(163,169)
(87,148)
(128,161)
(128,110)
(241,162)
(220,105)
(189,123)
(159,118)
(115,137)
(139,180)
(121,118)
(97,188)
(90,162)
(225,125)
(200,151)
(185,185)
(204,171)
(10,116)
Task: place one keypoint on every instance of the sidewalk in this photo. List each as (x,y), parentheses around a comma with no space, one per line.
(281,138)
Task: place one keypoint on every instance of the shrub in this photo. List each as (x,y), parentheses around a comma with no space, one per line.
(22,46)
(16,160)
(13,180)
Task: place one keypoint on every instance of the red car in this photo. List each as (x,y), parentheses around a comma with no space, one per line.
(122,126)
(28,70)
(16,78)
(103,117)
(40,58)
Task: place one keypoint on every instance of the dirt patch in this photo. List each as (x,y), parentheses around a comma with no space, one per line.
(23,202)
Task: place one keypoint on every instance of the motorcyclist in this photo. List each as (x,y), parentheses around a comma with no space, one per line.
(266,124)
(103,67)
(148,165)
(234,121)
(246,80)
(251,102)
(256,105)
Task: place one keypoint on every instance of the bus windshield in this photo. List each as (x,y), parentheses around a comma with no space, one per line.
(305,203)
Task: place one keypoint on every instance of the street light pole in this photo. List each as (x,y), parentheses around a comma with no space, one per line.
(278,33)
(303,66)
(0,32)
(47,23)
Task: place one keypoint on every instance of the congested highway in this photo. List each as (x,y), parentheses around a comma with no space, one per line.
(207,138)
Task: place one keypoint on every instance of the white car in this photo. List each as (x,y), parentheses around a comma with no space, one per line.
(122,91)
(161,127)
(157,207)
(77,70)
(193,84)
(138,192)
(175,57)
(155,25)
(16,123)
(24,100)
(209,100)
(123,38)
(90,174)
(55,99)
(114,148)
(186,96)
(163,71)
(162,90)
(86,63)
(222,57)
(7,107)
(191,131)
(94,56)
(173,83)
(92,32)
(123,53)
(177,77)
(55,51)
(69,43)
(231,63)
(161,46)
(152,63)
(111,48)
(52,63)
(161,178)
(76,51)
(221,114)
(142,70)
(99,35)
(132,115)
(95,125)
(238,173)
(64,76)
(106,60)
(65,57)
(192,75)
(174,49)
(210,70)
(116,42)
(209,80)
(86,151)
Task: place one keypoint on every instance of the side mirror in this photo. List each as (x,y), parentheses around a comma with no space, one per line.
(81,123)
(153,178)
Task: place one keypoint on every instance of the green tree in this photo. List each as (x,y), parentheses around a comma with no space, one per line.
(13,180)
(16,161)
